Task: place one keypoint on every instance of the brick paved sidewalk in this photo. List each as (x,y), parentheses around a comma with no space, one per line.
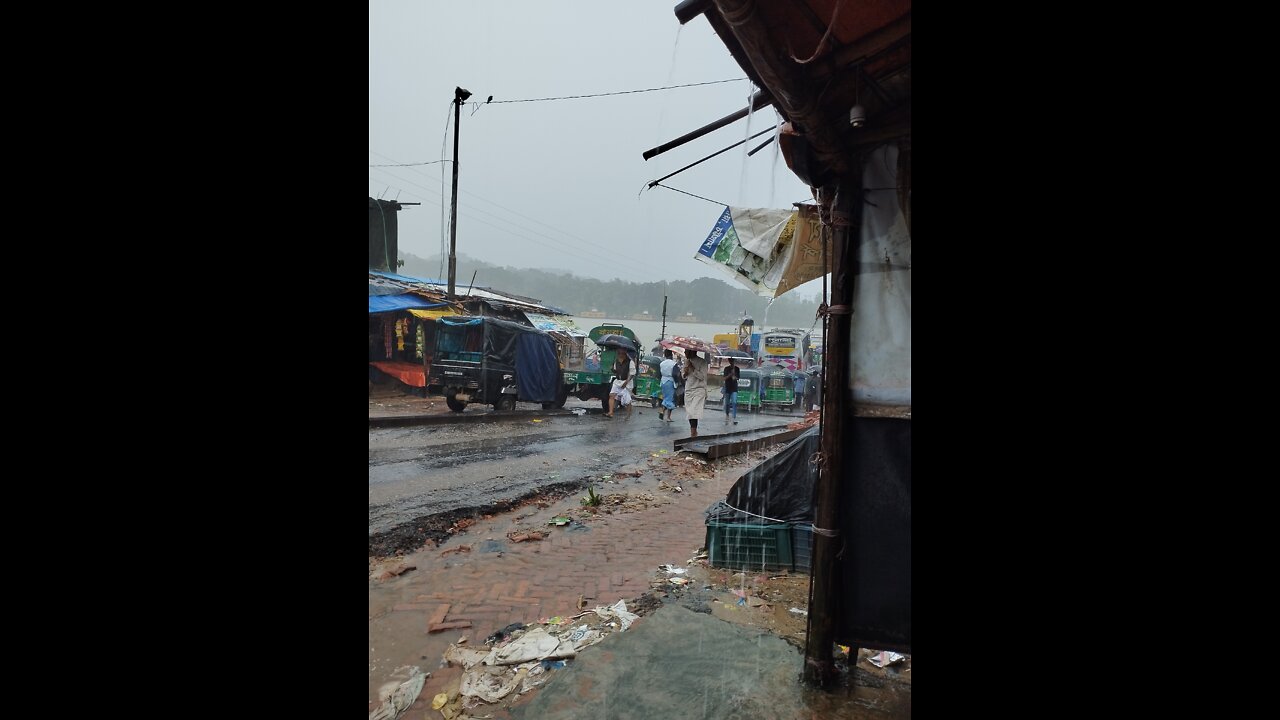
(478,592)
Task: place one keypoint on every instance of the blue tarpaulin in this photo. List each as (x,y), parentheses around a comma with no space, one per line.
(405,278)
(537,369)
(388,303)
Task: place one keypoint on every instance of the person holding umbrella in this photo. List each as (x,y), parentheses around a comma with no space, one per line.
(695,388)
(624,379)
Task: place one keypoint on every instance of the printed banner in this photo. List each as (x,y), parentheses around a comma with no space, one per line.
(768,251)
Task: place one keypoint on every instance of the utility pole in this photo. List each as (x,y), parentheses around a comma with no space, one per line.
(459,96)
(843,214)
(664,319)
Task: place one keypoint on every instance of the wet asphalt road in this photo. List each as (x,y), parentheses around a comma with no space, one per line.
(428,469)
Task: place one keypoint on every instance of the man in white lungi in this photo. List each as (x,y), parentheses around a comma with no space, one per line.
(695,388)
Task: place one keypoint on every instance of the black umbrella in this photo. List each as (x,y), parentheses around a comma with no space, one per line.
(618,342)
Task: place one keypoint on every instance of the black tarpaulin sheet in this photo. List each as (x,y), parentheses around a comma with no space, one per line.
(874,567)
(500,342)
(779,489)
(537,369)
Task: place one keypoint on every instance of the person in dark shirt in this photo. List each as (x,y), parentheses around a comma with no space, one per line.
(731,375)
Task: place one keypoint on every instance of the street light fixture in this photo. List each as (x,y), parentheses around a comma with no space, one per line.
(459,96)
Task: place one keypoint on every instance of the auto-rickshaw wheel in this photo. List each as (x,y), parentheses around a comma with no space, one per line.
(455,404)
(506,402)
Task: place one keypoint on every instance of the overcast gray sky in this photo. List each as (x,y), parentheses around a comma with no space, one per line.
(556,184)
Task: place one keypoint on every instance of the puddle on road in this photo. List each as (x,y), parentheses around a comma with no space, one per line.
(677,663)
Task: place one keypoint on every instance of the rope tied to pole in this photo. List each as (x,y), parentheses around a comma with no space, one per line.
(824,532)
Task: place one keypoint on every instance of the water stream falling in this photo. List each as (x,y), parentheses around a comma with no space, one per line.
(746,146)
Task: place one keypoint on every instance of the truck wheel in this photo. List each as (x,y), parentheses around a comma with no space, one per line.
(455,404)
(558,402)
(505,403)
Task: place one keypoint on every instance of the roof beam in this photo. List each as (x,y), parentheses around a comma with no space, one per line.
(791,90)
(760,99)
(874,42)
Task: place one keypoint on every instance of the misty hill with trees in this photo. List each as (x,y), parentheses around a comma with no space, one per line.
(710,299)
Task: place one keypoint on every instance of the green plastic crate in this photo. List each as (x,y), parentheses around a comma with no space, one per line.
(749,547)
(802,547)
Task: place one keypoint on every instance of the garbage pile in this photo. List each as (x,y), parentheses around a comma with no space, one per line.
(519,658)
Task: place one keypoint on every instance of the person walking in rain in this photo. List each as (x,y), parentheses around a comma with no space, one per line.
(670,370)
(624,379)
(730,391)
(695,389)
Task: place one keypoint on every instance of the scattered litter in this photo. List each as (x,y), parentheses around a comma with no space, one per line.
(885,658)
(399,699)
(504,633)
(680,581)
(467,657)
(462,640)
(672,569)
(579,411)
(459,549)
(487,684)
(619,610)
(582,637)
(535,420)
(439,701)
(551,664)
(536,644)
(798,611)
(525,536)
(553,621)
(557,521)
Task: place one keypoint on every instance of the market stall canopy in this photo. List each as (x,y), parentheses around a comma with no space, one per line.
(405,301)
(435,313)
(547,323)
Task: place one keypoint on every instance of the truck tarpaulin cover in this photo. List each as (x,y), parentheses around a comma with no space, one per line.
(537,369)
(528,351)
(780,488)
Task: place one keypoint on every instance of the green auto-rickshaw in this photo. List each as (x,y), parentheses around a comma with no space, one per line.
(649,380)
(779,388)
